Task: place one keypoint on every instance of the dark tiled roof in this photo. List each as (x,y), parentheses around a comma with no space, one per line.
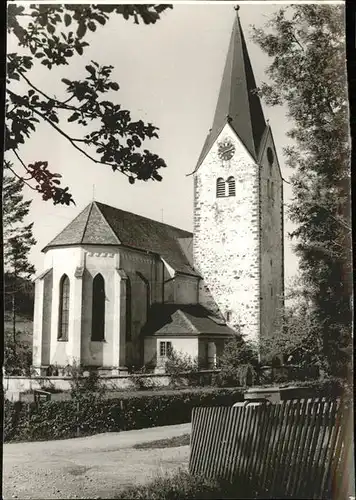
(100,224)
(237,101)
(175,319)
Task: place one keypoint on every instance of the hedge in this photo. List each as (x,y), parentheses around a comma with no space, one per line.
(91,414)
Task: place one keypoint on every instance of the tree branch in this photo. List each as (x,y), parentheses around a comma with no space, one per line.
(20,160)
(298,42)
(72,141)
(59,104)
(21,179)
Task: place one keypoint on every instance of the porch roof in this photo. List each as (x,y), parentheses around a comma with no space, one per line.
(183,320)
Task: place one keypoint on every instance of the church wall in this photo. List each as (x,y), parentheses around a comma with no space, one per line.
(150,351)
(169,291)
(150,270)
(99,353)
(271,242)
(64,261)
(37,324)
(181,289)
(168,283)
(226,235)
(46,318)
(186,289)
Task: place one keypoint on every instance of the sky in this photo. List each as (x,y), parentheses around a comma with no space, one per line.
(169,74)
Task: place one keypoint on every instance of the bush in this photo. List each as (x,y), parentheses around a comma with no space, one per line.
(238,363)
(17,357)
(90,413)
(180,366)
(81,385)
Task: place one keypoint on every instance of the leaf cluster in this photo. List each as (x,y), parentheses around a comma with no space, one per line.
(50,35)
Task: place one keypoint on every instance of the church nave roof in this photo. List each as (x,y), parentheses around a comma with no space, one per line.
(100,224)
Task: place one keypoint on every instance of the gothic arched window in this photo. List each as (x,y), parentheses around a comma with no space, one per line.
(98,309)
(270,159)
(63,320)
(232,186)
(128,309)
(220,188)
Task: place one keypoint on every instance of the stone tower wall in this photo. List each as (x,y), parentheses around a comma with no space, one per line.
(272,275)
(226,235)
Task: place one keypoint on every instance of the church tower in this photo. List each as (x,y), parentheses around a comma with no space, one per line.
(238,205)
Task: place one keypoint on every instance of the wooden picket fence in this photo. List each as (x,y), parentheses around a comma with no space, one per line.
(294,449)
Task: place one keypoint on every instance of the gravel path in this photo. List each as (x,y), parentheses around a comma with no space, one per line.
(92,467)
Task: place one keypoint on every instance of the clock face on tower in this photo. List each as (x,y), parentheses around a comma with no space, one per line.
(226,149)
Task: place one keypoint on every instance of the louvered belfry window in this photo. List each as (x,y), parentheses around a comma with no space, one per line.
(232,186)
(220,188)
(98,309)
(63,320)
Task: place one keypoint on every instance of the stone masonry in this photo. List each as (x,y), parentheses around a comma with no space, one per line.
(226,235)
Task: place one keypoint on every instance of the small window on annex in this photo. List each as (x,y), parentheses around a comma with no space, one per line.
(220,188)
(98,309)
(63,320)
(165,349)
(232,186)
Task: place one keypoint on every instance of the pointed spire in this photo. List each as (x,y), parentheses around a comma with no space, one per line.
(238,104)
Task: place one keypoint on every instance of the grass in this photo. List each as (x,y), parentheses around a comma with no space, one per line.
(173,442)
(176,486)
(183,486)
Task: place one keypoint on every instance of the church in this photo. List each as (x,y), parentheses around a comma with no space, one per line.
(120,291)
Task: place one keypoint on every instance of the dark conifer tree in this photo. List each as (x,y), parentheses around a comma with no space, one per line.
(308,75)
(18,240)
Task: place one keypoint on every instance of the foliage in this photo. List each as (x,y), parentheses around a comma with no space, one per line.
(25,296)
(238,363)
(90,414)
(331,388)
(180,362)
(180,365)
(18,240)
(17,356)
(295,341)
(84,386)
(308,75)
(139,378)
(50,35)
